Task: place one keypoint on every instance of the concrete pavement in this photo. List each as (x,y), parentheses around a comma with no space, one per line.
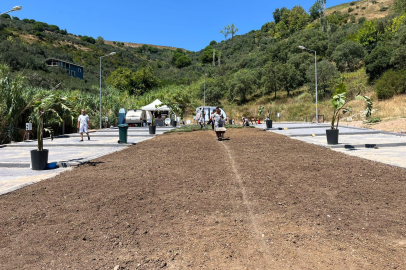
(66,151)
(376,145)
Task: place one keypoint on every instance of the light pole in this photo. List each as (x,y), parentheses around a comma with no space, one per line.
(112,53)
(205,89)
(315,69)
(16,8)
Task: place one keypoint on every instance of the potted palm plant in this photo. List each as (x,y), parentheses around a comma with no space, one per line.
(152,127)
(45,105)
(339,102)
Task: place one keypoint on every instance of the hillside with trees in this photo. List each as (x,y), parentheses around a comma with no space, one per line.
(262,67)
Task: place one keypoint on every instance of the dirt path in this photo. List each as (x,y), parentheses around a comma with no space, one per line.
(257,201)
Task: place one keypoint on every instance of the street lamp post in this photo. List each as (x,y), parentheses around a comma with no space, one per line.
(16,8)
(205,89)
(315,69)
(112,53)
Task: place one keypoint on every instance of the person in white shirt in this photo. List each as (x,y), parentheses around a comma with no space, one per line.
(219,124)
(83,125)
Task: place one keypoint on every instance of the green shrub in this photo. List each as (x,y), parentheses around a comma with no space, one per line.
(384,8)
(352,19)
(378,61)
(5,16)
(88,39)
(350,10)
(391,83)
(39,34)
(373,120)
(361,20)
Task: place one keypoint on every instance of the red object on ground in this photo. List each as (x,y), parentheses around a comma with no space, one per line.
(259,121)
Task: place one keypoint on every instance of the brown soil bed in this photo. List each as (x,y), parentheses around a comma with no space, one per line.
(188,201)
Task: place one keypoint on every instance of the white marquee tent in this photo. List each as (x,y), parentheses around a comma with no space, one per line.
(152,107)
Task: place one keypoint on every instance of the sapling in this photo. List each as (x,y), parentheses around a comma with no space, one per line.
(339,101)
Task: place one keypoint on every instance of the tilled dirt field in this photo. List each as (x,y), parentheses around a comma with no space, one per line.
(257,201)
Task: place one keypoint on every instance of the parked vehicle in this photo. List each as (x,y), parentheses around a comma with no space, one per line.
(135,116)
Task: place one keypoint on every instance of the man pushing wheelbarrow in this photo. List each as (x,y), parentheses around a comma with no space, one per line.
(219,124)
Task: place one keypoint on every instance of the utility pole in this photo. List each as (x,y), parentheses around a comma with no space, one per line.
(204,104)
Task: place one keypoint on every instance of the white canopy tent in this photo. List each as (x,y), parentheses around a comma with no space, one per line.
(153,106)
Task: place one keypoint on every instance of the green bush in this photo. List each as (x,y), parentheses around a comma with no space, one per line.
(39,34)
(391,83)
(373,120)
(88,39)
(5,16)
(348,56)
(352,18)
(361,20)
(378,61)
(183,61)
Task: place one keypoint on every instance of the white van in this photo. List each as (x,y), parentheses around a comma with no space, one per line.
(136,117)
(208,110)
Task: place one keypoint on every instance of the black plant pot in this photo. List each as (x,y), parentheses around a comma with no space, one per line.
(268,124)
(39,159)
(332,136)
(174,123)
(152,130)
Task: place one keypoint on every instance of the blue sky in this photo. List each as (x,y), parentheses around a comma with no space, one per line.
(185,24)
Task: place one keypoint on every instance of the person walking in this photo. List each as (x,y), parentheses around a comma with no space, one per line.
(83,125)
(197,117)
(219,124)
(202,119)
(212,120)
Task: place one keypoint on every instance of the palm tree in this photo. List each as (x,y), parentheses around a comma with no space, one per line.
(48,105)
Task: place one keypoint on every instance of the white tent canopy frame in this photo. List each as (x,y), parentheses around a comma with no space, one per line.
(153,107)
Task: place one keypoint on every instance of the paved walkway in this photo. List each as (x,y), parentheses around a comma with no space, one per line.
(376,145)
(65,150)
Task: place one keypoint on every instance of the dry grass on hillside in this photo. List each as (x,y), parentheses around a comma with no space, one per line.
(370,9)
(137,45)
